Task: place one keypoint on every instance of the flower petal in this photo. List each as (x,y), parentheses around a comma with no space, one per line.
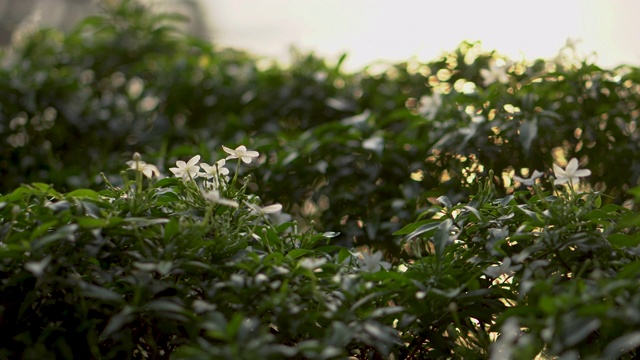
(194,160)
(572,166)
(229,151)
(582,173)
(271,209)
(559,172)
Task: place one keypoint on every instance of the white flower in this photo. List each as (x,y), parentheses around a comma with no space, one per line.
(530,181)
(477,119)
(494,73)
(570,174)
(312,263)
(215,198)
(429,105)
(242,153)
(188,170)
(373,263)
(270,209)
(572,43)
(147,170)
(215,169)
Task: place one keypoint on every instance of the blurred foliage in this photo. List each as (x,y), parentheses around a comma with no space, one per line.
(354,152)
(415,160)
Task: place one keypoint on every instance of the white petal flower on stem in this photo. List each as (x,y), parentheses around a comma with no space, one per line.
(270,209)
(214,197)
(188,170)
(147,170)
(429,105)
(242,153)
(373,263)
(530,181)
(571,174)
(215,169)
(495,73)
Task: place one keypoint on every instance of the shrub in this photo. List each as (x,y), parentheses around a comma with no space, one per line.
(196,267)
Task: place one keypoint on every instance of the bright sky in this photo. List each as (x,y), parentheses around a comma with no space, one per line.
(395,30)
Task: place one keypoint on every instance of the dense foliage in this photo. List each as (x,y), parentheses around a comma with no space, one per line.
(414,210)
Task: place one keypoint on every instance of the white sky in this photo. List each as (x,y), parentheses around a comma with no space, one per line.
(396,30)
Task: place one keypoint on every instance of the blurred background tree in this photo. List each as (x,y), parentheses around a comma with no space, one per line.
(64,14)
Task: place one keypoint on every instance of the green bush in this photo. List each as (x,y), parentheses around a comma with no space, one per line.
(194,266)
(406,228)
(356,138)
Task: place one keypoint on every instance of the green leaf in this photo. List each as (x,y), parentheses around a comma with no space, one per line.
(445,201)
(384,311)
(475,212)
(142,222)
(83,193)
(629,220)
(622,345)
(162,305)
(408,229)
(577,329)
(41,229)
(441,237)
(88,222)
(343,255)
(171,229)
(168,182)
(294,254)
(99,292)
(47,189)
(118,321)
(167,198)
(598,214)
(624,240)
(284,226)
(64,232)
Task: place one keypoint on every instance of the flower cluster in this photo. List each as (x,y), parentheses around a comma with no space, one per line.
(215,177)
(429,105)
(495,73)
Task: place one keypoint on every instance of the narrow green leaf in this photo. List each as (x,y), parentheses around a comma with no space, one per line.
(408,229)
(445,201)
(441,237)
(424,229)
(118,321)
(99,292)
(142,222)
(162,305)
(64,232)
(41,229)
